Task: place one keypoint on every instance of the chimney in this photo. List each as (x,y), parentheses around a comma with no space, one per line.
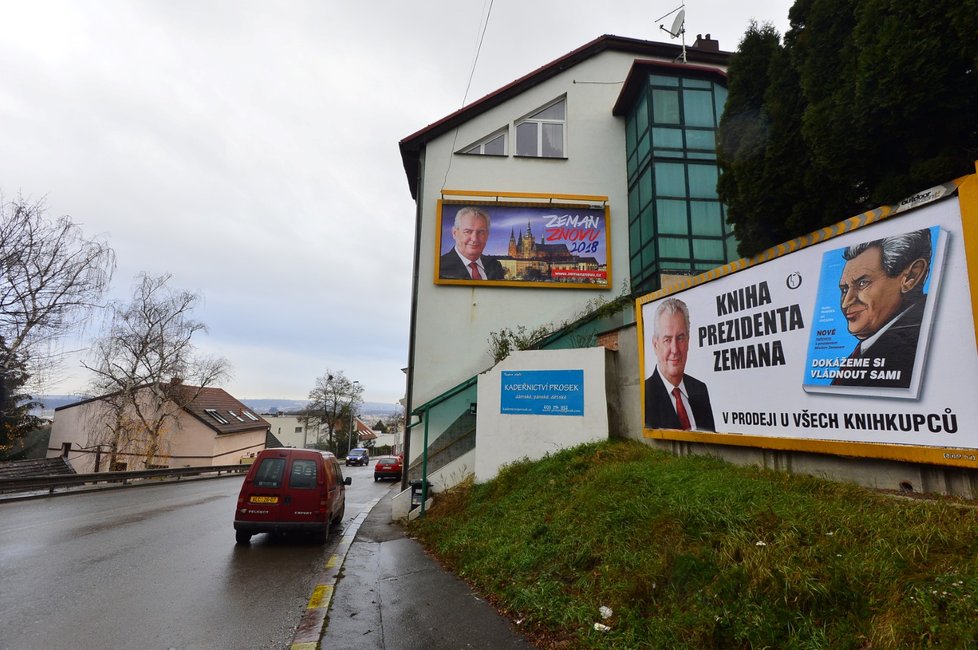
(707,44)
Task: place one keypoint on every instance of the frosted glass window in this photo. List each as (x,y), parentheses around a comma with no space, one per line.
(665,137)
(700,139)
(708,249)
(645,188)
(665,106)
(642,117)
(703,181)
(698,106)
(670,179)
(674,247)
(671,217)
(706,218)
(631,137)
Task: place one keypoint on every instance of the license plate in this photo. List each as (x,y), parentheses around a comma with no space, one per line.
(256,499)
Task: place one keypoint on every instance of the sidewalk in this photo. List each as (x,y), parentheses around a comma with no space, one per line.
(392,596)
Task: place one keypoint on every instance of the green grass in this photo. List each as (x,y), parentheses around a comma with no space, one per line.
(697,553)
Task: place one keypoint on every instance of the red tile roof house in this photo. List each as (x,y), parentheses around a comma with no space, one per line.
(212,429)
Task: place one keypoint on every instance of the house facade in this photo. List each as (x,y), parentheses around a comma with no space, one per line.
(620,133)
(213,429)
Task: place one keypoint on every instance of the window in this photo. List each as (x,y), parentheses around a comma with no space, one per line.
(250,415)
(235,416)
(217,416)
(494,145)
(298,429)
(269,474)
(541,135)
(303,473)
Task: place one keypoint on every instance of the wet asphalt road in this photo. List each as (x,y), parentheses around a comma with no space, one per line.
(154,567)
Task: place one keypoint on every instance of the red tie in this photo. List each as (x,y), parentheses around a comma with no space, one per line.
(681,410)
(475,271)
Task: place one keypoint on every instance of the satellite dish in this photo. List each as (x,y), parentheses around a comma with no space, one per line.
(678,28)
(677,24)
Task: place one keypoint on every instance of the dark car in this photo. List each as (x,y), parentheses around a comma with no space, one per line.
(387,467)
(358,456)
(291,491)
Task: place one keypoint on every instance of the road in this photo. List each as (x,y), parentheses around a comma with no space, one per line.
(154,567)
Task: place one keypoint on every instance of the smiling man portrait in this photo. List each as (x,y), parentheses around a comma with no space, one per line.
(673,399)
(465,260)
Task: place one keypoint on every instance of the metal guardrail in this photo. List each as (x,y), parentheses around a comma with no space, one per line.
(52,482)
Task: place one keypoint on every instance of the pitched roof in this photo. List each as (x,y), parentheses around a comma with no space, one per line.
(237,417)
(412,146)
(216,401)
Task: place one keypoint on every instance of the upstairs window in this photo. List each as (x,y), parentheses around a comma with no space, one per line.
(235,416)
(541,135)
(250,416)
(493,145)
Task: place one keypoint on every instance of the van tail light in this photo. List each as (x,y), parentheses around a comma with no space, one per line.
(323,506)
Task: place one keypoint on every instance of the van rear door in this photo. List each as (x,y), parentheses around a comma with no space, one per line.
(306,501)
(265,499)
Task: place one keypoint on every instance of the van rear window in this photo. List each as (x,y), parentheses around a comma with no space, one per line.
(303,473)
(270,473)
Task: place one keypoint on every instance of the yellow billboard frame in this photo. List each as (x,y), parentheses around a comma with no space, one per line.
(967,197)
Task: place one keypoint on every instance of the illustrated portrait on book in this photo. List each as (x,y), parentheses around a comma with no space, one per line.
(674,399)
(881,295)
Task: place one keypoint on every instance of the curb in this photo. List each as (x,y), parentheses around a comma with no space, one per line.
(313,621)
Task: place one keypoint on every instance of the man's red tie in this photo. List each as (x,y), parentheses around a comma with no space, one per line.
(475,271)
(681,410)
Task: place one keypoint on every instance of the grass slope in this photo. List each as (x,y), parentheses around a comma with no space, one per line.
(697,553)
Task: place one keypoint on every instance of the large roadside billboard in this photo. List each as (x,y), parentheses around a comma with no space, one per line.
(856,340)
(556,243)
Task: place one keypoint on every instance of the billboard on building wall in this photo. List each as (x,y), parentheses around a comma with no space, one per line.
(857,340)
(550,245)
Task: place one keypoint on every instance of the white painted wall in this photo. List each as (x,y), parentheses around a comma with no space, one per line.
(454,322)
(505,438)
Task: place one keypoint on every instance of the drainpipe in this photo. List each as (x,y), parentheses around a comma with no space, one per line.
(424,467)
(413,329)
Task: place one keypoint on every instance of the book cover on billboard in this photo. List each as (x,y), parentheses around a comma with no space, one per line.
(873,315)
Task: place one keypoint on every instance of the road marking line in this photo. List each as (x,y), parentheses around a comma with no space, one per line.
(321,596)
(312,624)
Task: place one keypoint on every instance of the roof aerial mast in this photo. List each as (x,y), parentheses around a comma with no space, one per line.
(678,28)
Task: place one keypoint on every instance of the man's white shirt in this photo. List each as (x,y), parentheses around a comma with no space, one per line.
(683,395)
(466,261)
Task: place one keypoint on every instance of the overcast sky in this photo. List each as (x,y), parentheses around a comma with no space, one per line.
(250,149)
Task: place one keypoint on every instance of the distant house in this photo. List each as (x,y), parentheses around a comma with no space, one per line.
(293,430)
(213,429)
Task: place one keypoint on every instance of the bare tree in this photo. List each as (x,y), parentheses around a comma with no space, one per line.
(332,401)
(146,370)
(51,277)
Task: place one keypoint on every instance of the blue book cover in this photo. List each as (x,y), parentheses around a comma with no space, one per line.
(873,314)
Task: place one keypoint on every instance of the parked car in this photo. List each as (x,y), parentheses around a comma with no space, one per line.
(387,467)
(291,491)
(358,456)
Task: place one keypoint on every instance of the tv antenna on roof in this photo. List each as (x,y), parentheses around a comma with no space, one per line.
(678,28)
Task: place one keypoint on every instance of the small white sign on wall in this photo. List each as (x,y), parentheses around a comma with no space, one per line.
(519,397)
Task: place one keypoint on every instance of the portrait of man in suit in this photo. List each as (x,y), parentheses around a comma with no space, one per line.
(882,298)
(465,260)
(673,399)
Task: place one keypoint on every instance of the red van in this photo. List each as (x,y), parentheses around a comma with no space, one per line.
(291,490)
